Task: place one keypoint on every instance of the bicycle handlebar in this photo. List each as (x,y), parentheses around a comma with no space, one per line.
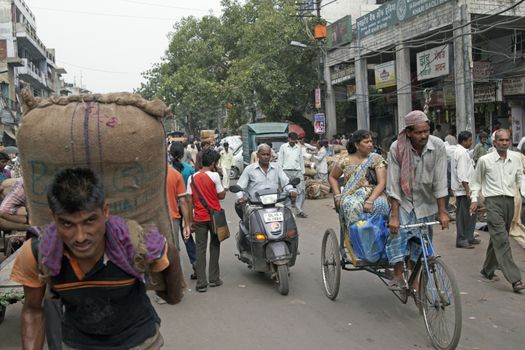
(420,225)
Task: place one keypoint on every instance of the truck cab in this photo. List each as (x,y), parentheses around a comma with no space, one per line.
(253,134)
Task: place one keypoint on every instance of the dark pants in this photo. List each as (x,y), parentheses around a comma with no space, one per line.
(53,323)
(500,211)
(190,246)
(201,237)
(465,223)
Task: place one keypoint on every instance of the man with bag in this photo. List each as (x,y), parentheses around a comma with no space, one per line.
(88,260)
(206,190)
(417,187)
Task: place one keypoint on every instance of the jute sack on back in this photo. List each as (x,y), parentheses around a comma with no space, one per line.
(119,136)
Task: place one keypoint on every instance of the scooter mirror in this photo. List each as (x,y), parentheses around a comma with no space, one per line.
(295,181)
(235,189)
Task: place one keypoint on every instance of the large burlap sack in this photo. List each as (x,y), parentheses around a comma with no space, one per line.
(309,172)
(119,136)
(207,134)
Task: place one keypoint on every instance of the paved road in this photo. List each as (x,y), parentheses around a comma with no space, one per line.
(248,313)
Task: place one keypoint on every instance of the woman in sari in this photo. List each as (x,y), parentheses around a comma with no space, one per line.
(364,180)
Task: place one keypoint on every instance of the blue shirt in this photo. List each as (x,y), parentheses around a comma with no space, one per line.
(187,171)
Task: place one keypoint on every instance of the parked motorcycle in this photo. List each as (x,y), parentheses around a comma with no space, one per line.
(268,241)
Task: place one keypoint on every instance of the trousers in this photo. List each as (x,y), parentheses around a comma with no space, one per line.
(500,210)
(189,243)
(465,223)
(226,177)
(201,237)
(301,190)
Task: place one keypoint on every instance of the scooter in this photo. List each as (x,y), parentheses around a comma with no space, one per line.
(268,242)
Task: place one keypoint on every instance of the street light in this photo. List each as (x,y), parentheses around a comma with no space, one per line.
(298,44)
(319,100)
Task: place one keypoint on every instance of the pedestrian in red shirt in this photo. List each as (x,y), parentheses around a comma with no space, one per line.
(206,186)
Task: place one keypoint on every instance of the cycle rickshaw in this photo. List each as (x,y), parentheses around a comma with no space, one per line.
(437,294)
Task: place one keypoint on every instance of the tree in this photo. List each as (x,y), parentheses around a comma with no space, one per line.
(242,60)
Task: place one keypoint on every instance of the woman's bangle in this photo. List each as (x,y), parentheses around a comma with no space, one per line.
(337,195)
(369,202)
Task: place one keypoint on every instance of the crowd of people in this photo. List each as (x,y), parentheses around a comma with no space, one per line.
(414,179)
(86,246)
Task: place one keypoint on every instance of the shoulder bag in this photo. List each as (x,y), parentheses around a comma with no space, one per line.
(219,224)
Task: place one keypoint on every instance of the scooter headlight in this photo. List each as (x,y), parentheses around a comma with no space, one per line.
(269,199)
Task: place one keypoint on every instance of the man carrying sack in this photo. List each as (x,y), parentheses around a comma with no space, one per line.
(206,190)
(89,261)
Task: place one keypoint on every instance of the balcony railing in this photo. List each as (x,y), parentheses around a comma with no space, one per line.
(12,105)
(31,70)
(22,28)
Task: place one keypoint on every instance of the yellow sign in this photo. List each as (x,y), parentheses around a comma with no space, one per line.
(385,74)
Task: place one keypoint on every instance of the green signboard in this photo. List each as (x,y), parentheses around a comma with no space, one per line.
(339,33)
(393,12)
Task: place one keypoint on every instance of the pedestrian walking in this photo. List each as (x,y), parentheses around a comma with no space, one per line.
(320,160)
(291,161)
(198,158)
(177,201)
(225,164)
(462,167)
(417,187)
(481,148)
(451,137)
(495,176)
(206,190)
(186,170)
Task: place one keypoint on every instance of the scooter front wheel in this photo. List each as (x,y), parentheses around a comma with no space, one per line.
(282,275)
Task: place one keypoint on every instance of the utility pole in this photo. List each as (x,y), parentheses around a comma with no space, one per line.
(463,71)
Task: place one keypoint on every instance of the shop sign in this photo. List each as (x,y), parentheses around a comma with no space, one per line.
(319,123)
(485,93)
(385,74)
(433,63)
(481,71)
(307,7)
(3,50)
(514,86)
(339,33)
(317,98)
(340,74)
(393,12)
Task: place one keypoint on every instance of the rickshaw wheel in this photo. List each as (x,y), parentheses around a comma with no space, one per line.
(331,264)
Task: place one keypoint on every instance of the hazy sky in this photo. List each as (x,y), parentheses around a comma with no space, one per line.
(107,44)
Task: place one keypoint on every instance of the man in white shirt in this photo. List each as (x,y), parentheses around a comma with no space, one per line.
(520,144)
(320,161)
(462,167)
(496,175)
(291,161)
(451,137)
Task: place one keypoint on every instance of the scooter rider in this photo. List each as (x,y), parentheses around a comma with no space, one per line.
(261,175)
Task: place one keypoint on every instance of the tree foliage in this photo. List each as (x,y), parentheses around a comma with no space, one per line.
(240,63)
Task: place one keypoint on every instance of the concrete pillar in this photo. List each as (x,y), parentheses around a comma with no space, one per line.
(404,84)
(463,74)
(361,81)
(329,107)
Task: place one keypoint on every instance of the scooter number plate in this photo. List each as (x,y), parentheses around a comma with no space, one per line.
(272,217)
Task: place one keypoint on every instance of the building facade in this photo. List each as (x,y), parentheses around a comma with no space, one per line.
(24,59)
(462,61)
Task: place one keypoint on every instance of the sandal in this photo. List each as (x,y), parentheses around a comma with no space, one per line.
(518,286)
(493,278)
(396,285)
